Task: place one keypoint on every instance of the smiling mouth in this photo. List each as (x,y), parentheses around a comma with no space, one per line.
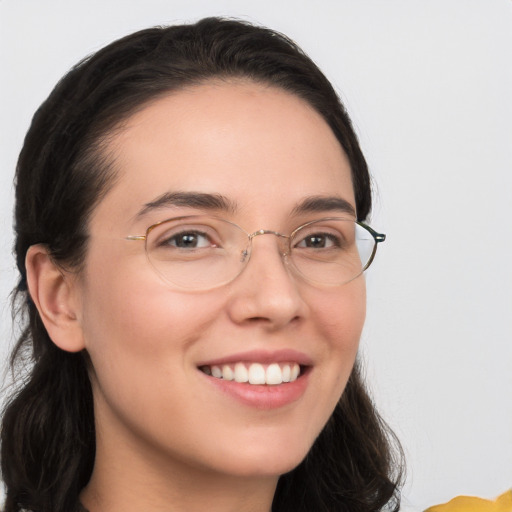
(255,373)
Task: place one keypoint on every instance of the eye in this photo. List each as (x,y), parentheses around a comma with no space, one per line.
(319,241)
(189,239)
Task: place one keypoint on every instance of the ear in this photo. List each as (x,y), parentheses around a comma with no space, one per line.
(54,292)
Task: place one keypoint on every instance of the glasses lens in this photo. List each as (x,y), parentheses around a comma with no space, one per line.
(332,251)
(196,252)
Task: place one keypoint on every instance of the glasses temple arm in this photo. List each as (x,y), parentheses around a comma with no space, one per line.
(379,237)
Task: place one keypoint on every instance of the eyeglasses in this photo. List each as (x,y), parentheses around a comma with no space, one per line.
(200,252)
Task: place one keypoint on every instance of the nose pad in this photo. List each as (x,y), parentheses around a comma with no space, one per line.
(284,247)
(244,255)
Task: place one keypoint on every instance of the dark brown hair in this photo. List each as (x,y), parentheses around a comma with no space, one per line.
(48,438)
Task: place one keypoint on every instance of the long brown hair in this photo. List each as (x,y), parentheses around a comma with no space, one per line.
(48,438)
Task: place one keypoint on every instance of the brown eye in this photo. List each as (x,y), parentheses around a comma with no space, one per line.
(319,241)
(187,240)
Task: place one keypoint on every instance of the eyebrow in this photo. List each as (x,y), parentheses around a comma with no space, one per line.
(206,201)
(324,204)
(191,200)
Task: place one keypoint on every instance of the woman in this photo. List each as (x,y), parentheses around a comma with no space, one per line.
(183,359)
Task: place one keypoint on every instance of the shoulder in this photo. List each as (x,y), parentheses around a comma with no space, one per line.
(471,504)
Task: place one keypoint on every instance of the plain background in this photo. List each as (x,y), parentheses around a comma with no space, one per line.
(428,84)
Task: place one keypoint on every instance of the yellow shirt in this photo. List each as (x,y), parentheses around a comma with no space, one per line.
(470,504)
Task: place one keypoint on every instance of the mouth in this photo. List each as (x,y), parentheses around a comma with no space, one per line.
(255,373)
(258,378)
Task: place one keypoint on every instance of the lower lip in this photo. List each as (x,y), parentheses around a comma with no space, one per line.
(262,396)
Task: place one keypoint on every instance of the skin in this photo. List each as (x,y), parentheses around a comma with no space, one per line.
(163,431)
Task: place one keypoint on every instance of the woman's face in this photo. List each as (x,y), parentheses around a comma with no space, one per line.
(266,152)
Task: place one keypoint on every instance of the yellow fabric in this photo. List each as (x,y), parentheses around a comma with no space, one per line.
(470,504)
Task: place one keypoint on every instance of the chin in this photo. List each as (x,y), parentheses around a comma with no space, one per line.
(272,462)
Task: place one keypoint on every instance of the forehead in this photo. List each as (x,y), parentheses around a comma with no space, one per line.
(255,144)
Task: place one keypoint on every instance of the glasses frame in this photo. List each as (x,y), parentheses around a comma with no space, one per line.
(378,238)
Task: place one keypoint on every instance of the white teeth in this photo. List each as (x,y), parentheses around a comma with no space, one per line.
(274,374)
(227,372)
(255,374)
(241,373)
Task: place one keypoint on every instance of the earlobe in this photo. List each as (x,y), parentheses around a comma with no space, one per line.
(53,291)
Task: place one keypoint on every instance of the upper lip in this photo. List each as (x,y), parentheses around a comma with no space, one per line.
(262,356)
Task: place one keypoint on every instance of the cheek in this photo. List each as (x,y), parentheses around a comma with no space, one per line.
(141,337)
(340,316)
(133,323)
(139,321)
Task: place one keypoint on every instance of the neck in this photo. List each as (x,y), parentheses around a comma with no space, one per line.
(214,495)
(133,478)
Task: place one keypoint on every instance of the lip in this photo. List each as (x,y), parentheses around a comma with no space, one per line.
(261,396)
(264,397)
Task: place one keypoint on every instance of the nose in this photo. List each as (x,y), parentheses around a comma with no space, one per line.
(266,292)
